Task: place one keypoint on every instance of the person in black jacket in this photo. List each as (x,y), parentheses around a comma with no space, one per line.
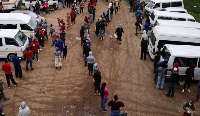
(187,106)
(119,31)
(97,81)
(172,82)
(144,45)
(86,52)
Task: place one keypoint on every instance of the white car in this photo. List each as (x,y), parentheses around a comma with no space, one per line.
(32,14)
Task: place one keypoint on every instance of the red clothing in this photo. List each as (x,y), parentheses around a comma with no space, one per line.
(34,46)
(175,65)
(63,27)
(89,5)
(94,2)
(6,68)
(87,19)
(45,5)
(41,33)
(28,54)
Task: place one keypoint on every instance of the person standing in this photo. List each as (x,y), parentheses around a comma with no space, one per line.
(34,46)
(28,55)
(1,91)
(198,91)
(119,31)
(90,59)
(82,34)
(116,4)
(138,13)
(37,6)
(58,62)
(73,16)
(65,52)
(187,107)
(17,65)
(44,25)
(115,106)
(68,3)
(7,70)
(131,5)
(144,45)
(81,7)
(161,76)
(24,110)
(86,50)
(189,77)
(97,81)
(136,27)
(172,82)
(156,58)
(41,39)
(1,8)
(97,27)
(104,96)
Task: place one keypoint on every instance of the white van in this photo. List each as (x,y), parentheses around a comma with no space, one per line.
(174,9)
(163,15)
(11,41)
(18,21)
(53,4)
(160,4)
(162,35)
(184,55)
(9,4)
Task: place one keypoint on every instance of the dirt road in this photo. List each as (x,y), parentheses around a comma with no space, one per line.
(69,91)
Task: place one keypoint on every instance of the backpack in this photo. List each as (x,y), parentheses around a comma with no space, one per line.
(116,4)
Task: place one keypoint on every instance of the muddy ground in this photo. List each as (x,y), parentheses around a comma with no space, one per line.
(69,91)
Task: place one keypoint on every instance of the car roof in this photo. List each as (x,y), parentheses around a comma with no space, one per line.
(10,33)
(184,50)
(175,23)
(15,16)
(164,1)
(177,31)
(173,14)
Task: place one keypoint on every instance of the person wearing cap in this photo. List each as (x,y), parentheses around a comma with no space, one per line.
(187,107)
(7,69)
(24,110)
(119,31)
(17,65)
(90,59)
(189,77)
(172,82)
(34,47)
(175,66)
(97,81)
(1,91)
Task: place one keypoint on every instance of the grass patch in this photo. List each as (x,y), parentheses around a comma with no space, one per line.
(194,11)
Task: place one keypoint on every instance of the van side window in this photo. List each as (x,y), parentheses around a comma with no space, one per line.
(8,26)
(176,4)
(152,16)
(25,27)
(165,5)
(164,18)
(185,62)
(157,5)
(11,41)
(1,42)
(179,19)
(192,20)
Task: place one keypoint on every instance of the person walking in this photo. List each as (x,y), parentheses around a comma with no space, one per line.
(144,45)
(2,91)
(172,82)
(97,81)
(7,70)
(138,13)
(198,91)
(1,8)
(115,106)
(116,4)
(73,16)
(161,76)
(104,96)
(24,110)
(188,107)
(58,62)
(90,59)
(28,55)
(34,47)
(119,31)
(189,77)
(17,65)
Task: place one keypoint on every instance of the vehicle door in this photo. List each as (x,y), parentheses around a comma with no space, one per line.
(3,54)
(197,71)
(26,30)
(12,46)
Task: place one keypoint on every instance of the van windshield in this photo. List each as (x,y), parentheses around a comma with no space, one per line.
(32,23)
(150,4)
(165,53)
(21,38)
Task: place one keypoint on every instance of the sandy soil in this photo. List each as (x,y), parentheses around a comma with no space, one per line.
(69,91)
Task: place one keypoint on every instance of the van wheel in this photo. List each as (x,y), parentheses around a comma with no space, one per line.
(181,81)
(10,56)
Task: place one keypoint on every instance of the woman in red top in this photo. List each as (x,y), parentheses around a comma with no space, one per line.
(34,46)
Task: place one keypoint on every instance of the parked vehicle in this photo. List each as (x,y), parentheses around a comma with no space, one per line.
(12,41)
(32,14)
(9,4)
(163,15)
(162,35)
(18,21)
(172,23)
(160,4)
(184,55)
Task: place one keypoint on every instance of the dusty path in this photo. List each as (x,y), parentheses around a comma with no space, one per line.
(69,91)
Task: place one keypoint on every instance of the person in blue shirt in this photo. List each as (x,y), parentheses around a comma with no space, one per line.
(17,65)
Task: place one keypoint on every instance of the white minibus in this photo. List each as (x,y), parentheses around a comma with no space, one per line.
(9,4)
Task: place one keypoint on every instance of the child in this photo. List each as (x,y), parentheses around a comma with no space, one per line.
(68,20)
(65,52)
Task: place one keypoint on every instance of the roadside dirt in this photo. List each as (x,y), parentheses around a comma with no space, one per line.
(69,91)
